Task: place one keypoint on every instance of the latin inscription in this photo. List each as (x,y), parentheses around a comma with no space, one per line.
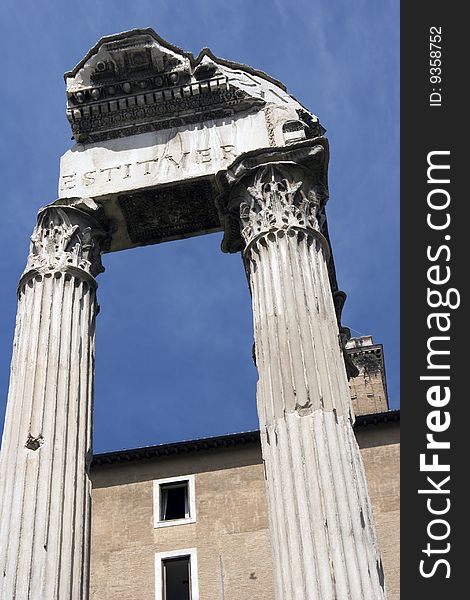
(178,162)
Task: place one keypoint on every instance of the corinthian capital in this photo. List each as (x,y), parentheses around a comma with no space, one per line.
(275,191)
(66,238)
(275,202)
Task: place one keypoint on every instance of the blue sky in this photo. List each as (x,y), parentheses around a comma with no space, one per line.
(174,334)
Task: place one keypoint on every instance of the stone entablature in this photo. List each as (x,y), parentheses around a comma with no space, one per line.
(146,114)
(158,158)
(135,82)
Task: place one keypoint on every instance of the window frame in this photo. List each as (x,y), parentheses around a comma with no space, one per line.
(157,483)
(160,557)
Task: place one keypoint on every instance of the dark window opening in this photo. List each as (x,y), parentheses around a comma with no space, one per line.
(174,501)
(176,578)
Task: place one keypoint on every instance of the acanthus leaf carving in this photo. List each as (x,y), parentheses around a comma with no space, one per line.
(66,237)
(275,201)
(274,190)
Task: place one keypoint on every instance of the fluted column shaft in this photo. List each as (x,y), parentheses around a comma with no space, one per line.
(45,492)
(322,531)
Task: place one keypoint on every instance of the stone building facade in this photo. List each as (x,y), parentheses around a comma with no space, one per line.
(225,529)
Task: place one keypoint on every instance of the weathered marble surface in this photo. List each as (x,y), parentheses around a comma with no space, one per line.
(134,82)
(322,530)
(160,157)
(45,490)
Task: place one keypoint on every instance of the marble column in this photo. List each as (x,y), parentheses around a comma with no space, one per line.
(323,536)
(45,492)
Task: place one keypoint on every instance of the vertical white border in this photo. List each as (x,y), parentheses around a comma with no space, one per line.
(160,556)
(191,499)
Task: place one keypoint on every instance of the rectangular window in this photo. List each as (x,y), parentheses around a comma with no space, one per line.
(174,502)
(176,575)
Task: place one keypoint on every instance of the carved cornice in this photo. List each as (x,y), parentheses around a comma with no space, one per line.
(274,191)
(194,61)
(66,239)
(156,110)
(136,82)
